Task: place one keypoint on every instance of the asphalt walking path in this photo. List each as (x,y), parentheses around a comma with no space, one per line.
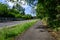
(36,32)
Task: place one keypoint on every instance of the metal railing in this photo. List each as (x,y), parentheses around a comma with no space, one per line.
(4,19)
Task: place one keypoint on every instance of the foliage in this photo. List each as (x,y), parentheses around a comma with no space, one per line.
(3,10)
(15,12)
(27,16)
(49,9)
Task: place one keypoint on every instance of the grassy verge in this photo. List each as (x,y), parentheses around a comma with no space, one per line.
(55,32)
(44,20)
(9,33)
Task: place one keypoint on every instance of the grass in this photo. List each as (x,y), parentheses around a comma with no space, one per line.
(44,20)
(55,32)
(9,33)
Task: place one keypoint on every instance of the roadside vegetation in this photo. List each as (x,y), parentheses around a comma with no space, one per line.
(49,12)
(46,10)
(10,33)
(15,12)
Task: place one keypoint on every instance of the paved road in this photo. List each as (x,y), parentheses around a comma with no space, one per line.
(36,32)
(12,23)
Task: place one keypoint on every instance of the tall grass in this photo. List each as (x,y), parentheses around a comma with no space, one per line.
(9,33)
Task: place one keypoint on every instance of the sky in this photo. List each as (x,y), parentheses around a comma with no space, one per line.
(28,9)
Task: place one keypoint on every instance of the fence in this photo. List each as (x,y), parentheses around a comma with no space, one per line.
(4,19)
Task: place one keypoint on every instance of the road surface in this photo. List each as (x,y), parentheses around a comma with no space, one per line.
(12,23)
(36,32)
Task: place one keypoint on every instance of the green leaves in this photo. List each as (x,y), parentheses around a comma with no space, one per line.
(51,10)
(15,12)
(3,9)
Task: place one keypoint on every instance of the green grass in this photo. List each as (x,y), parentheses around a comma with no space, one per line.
(9,33)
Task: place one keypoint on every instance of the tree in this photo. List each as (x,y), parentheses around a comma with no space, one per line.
(49,10)
(20,9)
(3,10)
(27,16)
